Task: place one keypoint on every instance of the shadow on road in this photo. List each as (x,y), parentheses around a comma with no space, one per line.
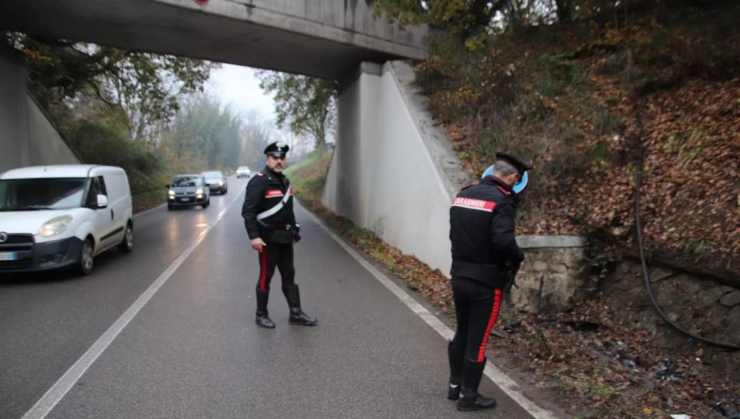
(9,280)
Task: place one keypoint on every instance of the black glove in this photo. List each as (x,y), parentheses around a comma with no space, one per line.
(296,230)
(511,276)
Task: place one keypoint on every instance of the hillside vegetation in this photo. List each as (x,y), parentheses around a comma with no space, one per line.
(584,100)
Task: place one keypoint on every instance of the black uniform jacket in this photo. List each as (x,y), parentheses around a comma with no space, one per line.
(265,190)
(482,233)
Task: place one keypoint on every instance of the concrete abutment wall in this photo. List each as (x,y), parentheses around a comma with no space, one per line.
(385,176)
(26,135)
(395,173)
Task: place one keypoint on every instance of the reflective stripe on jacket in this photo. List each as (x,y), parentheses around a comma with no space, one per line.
(265,190)
(482,233)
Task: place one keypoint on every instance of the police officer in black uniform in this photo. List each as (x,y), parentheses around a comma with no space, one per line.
(272,230)
(485,257)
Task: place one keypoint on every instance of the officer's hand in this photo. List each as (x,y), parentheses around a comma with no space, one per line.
(258,244)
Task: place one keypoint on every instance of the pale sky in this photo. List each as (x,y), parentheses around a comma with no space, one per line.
(239,87)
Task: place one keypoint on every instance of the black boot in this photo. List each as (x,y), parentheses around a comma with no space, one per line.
(297,316)
(262,319)
(455,357)
(469,399)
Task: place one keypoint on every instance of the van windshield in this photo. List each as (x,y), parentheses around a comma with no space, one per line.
(41,194)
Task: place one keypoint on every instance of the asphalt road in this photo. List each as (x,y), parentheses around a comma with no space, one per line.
(194,351)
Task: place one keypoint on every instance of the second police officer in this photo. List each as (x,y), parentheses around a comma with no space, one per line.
(485,256)
(272,230)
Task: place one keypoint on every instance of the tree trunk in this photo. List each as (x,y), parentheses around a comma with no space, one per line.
(564,10)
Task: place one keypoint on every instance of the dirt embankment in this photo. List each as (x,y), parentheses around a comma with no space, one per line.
(583,100)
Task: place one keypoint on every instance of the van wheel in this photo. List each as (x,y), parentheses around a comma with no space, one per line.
(169,207)
(87,258)
(206,204)
(127,245)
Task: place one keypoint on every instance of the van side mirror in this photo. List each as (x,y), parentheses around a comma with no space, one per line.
(167,186)
(102,201)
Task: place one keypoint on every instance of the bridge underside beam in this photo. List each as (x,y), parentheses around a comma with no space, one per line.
(229,31)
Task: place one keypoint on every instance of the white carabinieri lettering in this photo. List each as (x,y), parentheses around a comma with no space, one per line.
(474,204)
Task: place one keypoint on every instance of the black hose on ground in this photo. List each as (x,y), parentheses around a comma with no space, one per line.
(646,274)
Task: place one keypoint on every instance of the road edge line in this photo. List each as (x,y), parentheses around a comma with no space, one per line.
(499,378)
(64,384)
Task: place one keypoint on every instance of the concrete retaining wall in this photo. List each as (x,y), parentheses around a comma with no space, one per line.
(45,145)
(387,172)
(26,135)
(13,128)
(551,274)
(698,304)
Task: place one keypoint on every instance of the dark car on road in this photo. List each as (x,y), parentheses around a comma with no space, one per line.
(216,182)
(187,191)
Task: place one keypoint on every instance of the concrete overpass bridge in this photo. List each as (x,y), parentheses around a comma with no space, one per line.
(383,134)
(320,38)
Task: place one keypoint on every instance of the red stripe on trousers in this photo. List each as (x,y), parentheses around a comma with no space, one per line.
(489,326)
(263,269)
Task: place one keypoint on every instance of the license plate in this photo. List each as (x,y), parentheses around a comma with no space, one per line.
(185,199)
(8,256)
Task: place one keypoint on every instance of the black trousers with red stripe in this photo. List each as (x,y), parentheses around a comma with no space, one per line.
(476,307)
(281,256)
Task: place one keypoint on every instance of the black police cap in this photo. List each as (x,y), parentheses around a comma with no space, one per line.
(277,147)
(520,164)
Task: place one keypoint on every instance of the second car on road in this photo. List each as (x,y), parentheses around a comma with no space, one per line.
(216,182)
(188,191)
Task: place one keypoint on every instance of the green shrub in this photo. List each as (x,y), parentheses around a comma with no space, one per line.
(98,142)
(557,74)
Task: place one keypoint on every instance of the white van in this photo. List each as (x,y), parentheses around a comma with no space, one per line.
(55,217)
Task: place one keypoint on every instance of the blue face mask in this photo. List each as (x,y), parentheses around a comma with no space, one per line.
(518,187)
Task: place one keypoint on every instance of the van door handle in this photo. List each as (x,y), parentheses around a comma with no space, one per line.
(112,215)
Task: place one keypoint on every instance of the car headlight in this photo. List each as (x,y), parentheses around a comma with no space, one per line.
(199,191)
(55,226)
(171,193)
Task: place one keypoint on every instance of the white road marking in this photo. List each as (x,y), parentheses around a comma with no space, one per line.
(65,383)
(503,381)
